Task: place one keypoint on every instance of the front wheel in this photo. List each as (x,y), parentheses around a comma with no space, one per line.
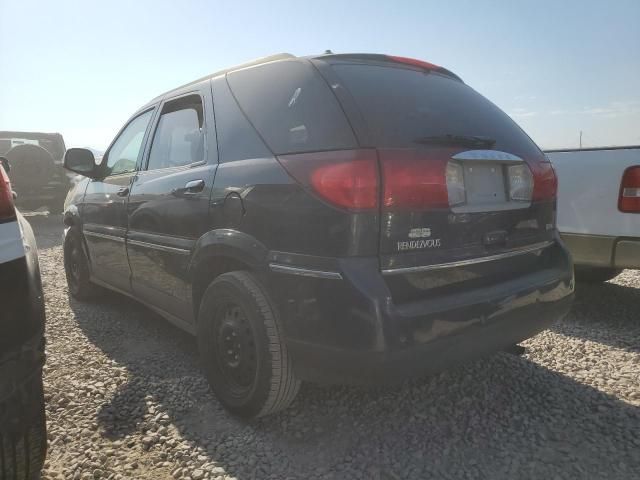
(76,267)
(242,348)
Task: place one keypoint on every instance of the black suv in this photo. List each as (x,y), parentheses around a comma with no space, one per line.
(339,218)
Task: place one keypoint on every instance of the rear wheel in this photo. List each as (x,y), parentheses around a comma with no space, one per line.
(596,274)
(76,267)
(242,349)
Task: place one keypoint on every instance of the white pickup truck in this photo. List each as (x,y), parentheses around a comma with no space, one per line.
(599,208)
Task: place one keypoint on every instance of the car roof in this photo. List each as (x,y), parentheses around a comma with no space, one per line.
(257,61)
(287,56)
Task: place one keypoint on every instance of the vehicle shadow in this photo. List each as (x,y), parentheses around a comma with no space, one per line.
(605,313)
(500,417)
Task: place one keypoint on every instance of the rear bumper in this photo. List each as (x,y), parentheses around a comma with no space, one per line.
(351,331)
(324,364)
(603,251)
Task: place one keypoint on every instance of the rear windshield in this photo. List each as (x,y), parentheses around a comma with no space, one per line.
(400,105)
(292,107)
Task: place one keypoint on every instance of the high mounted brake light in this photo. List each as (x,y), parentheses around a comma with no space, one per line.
(629,198)
(415,62)
(7,209)
(423,65)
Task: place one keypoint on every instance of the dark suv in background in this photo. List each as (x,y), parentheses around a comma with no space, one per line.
(37,173)
(341,218)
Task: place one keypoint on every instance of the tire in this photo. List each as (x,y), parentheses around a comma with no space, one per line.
(596,274)
(23,432)
(242,348)
(31,167)
(76,268)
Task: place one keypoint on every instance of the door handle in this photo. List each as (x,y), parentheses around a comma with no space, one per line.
(194,186)
(190,188)
(123,192)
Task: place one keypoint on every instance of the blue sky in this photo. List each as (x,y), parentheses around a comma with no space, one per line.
(557,67)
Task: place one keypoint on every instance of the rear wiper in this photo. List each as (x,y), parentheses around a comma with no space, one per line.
(463,140)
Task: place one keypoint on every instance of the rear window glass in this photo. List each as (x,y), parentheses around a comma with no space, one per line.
(401,105)
(292,107)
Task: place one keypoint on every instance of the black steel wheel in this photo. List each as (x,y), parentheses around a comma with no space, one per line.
(242,349)
(76,267)
(235,347)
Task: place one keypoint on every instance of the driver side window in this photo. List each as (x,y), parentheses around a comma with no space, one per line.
(123,154)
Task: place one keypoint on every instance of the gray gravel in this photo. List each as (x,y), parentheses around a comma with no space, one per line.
(126,399)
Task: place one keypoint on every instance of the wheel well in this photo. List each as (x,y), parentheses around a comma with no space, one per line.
(207,271)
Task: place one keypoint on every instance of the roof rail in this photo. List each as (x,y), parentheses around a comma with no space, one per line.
(257,61)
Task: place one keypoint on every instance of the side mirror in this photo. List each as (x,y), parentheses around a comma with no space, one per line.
(80,160)
(5,164)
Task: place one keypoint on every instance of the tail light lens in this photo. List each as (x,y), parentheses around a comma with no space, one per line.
(629,199)
(520,182)
(545,183)
(415,183)
(347,178)
(7,210)
(455,184)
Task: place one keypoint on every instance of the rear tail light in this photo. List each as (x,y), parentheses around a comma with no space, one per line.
(455,184)
(629,199)
(520,182)
(416,183)
(7,210)
(346,178)
(545,182)
(350,179)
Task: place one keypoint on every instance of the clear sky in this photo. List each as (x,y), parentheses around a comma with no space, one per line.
(556,66)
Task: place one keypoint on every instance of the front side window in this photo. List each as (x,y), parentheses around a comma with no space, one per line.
(123,154)
(179,137)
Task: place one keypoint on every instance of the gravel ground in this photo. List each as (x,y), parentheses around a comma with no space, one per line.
(126,399)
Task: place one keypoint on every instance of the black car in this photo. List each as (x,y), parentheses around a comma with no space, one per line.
(23,438)
(37,173)
(340,218)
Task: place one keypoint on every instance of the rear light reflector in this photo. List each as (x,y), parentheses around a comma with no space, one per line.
(345,178)
(629,199)
(545,182)
(7,210)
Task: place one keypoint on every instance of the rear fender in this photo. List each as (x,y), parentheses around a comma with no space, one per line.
(229,243)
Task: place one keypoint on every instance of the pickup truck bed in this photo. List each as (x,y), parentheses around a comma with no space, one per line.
(597,233)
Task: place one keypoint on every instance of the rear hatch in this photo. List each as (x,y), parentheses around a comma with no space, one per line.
(460,181)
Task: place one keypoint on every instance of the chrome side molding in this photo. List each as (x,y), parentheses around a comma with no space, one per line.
(471,261)
(305,272)
(492,155)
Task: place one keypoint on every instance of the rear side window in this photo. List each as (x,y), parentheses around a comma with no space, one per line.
(292,107)
(401,105)
(179,136)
